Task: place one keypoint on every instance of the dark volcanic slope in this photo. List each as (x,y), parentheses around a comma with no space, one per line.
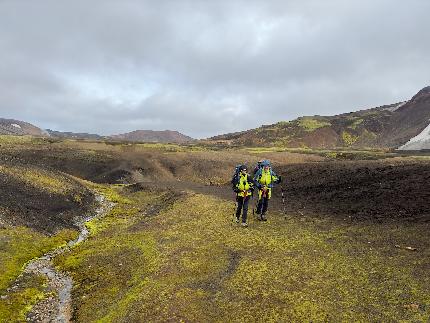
(25,204)
(409,120)
(360,190)
(384,127)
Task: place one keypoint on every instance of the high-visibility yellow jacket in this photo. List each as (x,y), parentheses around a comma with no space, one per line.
(265,179)
(245,185)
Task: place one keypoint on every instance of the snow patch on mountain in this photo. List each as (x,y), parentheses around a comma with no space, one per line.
(421,141)
(396,107)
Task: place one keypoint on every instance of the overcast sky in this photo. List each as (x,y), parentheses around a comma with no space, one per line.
(206,67)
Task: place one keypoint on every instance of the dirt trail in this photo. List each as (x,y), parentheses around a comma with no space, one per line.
(57,307)
(224,192)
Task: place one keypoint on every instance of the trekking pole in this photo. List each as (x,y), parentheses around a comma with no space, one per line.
(283,203)
(235,207)
(252,203)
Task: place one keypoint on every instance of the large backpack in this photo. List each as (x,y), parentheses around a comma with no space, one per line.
(235,178)
(257,168)
(260,165)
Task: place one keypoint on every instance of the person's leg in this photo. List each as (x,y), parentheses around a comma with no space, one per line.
(260,202)
(245,209)
(265,205)
(239,200)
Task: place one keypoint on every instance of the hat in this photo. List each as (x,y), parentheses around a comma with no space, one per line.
(265,163)
(243,167)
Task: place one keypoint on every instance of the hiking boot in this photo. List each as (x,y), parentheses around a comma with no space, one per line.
(263,217)
(244,224)
(236,220)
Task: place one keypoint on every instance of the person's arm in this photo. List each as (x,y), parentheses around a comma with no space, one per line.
(251,182)
(275,178)
(236,186)
(256,179)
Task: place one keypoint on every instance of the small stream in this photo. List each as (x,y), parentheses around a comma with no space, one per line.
(57,307)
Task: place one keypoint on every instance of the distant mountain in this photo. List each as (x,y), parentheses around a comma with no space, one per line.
(389,126)
(73,135)
(414,118)
(165,136)
(19,128)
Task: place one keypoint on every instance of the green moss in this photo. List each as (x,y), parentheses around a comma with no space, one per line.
(39,179)
(18,245)
(331,154)
(15,140)
(369,135)
(191,263)
(20,301)
(109,269)
(356,123)
(283,124)
(311,124)
(349,139)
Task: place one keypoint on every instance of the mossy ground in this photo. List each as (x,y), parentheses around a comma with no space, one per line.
(39,179)
(311,124)
(189,262)
(18,245)
(29,291)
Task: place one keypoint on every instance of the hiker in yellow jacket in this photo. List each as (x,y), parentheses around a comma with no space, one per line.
(264,179)
(243,186)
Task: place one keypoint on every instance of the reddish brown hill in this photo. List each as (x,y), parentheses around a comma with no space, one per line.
(166,136)
(19,128)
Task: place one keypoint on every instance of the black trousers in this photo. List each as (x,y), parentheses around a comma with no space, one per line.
(242,203)
(262,205)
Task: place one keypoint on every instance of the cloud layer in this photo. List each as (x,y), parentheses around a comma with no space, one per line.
(205,68)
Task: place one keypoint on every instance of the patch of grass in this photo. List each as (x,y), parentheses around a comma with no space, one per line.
(27,140)
(264,150)
(356,123)
(191,263)
(20,301)
(311,124)
(112,265)
(349,139)
(133,146)
(18,245)
(283,124)
(38,178)
(15,140)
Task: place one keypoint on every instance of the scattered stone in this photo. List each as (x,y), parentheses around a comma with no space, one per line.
(411,248)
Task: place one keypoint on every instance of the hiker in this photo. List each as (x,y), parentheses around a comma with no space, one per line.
(264,179)
(243,186)
(257,167)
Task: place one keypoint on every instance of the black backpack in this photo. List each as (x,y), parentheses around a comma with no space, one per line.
(235,178)
(257,168)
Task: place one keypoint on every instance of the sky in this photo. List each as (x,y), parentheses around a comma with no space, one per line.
(205,67)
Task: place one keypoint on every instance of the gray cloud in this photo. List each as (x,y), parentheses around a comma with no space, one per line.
(202,67)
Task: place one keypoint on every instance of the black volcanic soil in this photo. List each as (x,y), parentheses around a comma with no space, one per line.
(389,189)
(98,168)
(360,190)
(47,212)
